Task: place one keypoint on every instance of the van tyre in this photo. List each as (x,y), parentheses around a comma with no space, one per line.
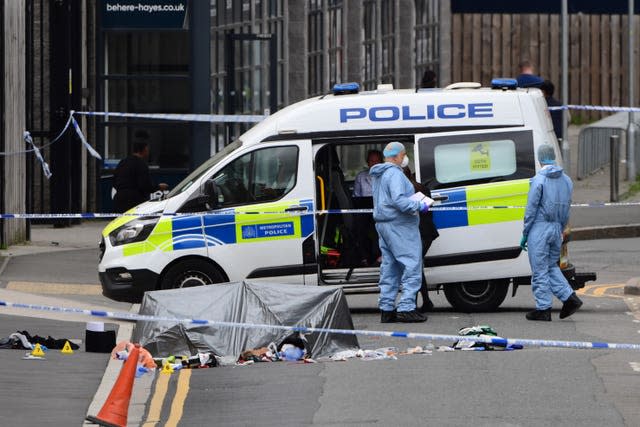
(190,273)
(476,296)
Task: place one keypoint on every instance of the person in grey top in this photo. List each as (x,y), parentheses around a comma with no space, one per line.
(362,186)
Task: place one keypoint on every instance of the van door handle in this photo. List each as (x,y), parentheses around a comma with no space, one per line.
(439,198)
(296,208)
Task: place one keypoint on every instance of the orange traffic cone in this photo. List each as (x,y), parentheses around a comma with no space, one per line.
(115,409)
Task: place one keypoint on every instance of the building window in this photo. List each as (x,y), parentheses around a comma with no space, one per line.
(379,42)
(316,46)
(251,92)
(275,24)
(146,72)
(370,74)
(387,41)
(427,37)
(325,47)
(336,42)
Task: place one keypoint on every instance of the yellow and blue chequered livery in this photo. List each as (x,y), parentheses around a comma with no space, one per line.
(229,226)
(495,194)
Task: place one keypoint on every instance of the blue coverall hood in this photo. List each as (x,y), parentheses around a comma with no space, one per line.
(376,171)
(551,171)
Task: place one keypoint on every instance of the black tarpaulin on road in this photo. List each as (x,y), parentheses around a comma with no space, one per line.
(243,302)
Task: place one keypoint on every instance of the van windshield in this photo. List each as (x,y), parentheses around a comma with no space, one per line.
(203,168)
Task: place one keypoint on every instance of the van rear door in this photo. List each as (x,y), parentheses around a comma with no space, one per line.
(481,180)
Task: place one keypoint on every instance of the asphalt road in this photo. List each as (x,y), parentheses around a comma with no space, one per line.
(533,386)
(55,391)
(529,387)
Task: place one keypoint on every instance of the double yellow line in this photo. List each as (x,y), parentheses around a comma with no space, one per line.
(600,291)
(159,395)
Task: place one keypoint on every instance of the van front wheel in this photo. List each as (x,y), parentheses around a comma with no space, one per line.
(189,273)
(484,295)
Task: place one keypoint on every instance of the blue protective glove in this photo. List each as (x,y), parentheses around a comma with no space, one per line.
(424,207)
(523,243)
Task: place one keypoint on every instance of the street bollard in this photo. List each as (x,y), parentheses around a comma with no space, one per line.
(614,150)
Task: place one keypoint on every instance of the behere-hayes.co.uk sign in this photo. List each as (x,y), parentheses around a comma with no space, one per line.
(142,14)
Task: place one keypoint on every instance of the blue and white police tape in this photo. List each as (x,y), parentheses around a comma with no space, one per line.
(222,118)
(36,150)
(604,108)
(45,166)
(88,147)
(31,150)
(211,118)
(498,341)
(438,208)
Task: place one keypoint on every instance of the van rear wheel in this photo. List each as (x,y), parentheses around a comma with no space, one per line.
(484,295)
(190,273)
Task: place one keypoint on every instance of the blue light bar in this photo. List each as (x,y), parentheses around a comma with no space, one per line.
(503,83)
(346,88)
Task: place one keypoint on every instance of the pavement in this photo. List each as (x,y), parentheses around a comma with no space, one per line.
(51,283)
(606,222)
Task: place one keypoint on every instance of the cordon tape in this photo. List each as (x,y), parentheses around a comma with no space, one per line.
(498,341)
(107,215)
(210,118)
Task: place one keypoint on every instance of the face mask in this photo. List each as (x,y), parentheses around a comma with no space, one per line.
(405,162)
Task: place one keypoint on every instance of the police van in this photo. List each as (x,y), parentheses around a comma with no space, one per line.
(277,204)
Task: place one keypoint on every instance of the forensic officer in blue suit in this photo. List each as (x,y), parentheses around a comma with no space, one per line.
(396,217)
(545,218)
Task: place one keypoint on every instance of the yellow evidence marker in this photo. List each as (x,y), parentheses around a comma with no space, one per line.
(37,351)
(36,354)
(67,348)
(167,369)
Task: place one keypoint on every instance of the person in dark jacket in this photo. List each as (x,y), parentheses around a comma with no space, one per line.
(526,78)
(428,233)
(429,79)
(547,89)
(132,181)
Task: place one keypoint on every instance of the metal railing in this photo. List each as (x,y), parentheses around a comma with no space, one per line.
(594,143)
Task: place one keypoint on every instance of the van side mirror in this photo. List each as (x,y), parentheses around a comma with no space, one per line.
(211,194)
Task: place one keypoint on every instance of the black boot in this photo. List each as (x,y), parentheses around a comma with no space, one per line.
(544,315)
(413,316)
(427,305)
(387,316)
(570,306)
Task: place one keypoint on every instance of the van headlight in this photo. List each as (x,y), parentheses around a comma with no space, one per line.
(135,231)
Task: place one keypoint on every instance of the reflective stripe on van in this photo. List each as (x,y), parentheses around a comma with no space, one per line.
(238,226)
(497,194)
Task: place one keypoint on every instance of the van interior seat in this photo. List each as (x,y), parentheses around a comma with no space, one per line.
(337,187)
(337,197)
